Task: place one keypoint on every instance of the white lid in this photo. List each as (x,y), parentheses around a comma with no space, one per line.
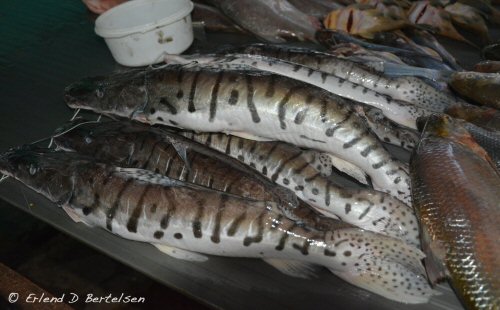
(140,16)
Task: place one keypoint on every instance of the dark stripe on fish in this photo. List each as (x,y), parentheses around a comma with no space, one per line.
(134,217)
(260,230)
(215,93)
(250,103)
(216,232)
(191,107)
(170,107)
(282,165)
(197,219)
(112,211)
(235,225)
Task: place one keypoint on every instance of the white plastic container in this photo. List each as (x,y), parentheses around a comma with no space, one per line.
(139,32)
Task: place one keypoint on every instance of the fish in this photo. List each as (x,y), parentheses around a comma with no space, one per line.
(307,175)
(470,19)
(316,8)
(387,130)
(491,52)
(487,118)
(435,16)
(403,4)
(213,20)
(487,66)
(398,39)
(425,38)
(140,205)
(330,38)
(364,21)
(271,20)
(455,190)
(134,145)
(487,139)
(258,104)
(483,88)
(233,165)
(402,99)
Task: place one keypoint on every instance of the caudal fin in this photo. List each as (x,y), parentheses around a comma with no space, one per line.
(382,265)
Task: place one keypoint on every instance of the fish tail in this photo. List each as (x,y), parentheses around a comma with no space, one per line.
(383,265)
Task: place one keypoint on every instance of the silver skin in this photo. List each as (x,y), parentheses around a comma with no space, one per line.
(140,205)
(401,112)
(262,105)
(305,173)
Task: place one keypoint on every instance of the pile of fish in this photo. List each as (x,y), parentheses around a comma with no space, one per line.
(237,152)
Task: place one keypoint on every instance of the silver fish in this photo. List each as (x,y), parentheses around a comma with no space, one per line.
(304,172)
(402,112)
(259,104)
(140,205)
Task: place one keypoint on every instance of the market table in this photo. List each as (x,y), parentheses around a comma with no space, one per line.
(48,44)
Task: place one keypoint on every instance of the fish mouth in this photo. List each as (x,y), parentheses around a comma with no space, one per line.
(84,91)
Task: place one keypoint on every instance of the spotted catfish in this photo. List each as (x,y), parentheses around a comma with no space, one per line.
(134,145)
(305,173)
(410,89)
(401,112)
(187,221)
(258,104)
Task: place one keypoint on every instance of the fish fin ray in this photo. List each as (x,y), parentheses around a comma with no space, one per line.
(294,268)
(180,253)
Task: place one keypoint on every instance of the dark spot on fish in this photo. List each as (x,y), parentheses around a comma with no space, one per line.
(299,188)
(170,107)
(241,158)
(315,191)
(178,236)
(87,210)
(330,253)
(264,170)
(159,119)
(173,123)
(180,94)
(347,253)
(286,181)
(197,229)
(152,111)
(347,208)
(158,234)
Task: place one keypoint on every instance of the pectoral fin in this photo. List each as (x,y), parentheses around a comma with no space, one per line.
(294,268)
(180,253)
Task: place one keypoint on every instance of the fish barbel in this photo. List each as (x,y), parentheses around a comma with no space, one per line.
(140,146)
(257,104)
(401,112)
(409,89)
(456,194)
(134,145)
(187,221)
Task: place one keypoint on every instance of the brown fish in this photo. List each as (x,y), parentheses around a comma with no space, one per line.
(483,88)
(487,118)
(456,193)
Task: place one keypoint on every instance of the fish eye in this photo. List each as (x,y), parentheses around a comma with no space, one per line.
(88,140)
(33,170)
(99,92)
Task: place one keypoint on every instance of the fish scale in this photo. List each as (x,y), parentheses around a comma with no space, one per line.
(263,105)
(402,112)
(295,169)
(140,205)
(456,195)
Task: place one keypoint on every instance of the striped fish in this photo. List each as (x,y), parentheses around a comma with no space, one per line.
(259,104)
(408,88)
(401,112)
(187,221)
(301,172)
(133,145)
(139,146)
(386,130)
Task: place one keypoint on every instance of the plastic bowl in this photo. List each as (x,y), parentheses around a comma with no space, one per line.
(139,32)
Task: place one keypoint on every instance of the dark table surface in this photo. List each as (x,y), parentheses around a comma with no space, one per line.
(48,44)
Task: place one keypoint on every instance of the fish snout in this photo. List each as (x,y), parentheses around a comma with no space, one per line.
(84,91)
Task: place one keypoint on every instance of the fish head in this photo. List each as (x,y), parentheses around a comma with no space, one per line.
(122,93)
(43,170)
(111,140)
